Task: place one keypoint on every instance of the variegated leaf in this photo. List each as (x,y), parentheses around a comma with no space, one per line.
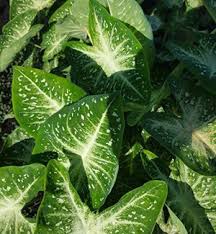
(190,137)
(16,35)
(18,7)
(211,7)
(119,54)
(38,95)
(88,134)
(200,59)
(132,14)
(173,225)
(63,11)
(18,186)
(191,195)
(63,212)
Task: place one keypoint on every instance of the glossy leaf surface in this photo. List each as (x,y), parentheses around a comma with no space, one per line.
(88,134)
(63,212)
(38,95)
(19,185)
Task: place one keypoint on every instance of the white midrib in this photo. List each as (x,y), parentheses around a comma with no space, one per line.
(129,204)
(86,152)
(56,106)
(107,54)
(71,197)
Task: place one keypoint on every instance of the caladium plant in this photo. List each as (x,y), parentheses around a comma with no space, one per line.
(112,120)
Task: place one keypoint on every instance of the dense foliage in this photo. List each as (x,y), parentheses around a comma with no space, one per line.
(112,116)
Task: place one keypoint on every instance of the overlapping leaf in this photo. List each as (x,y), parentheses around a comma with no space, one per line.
(19,185)
(37,95)
(132,14)
(211,7)
(18,7)
(118,53)
(190,137)
(63,212)
(191,195)
(200,59)
(72,22)
(16,35)
(89,134)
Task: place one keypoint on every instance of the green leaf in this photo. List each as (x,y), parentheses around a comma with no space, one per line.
(16,136)
(72,22)
(37,95)
(89,134)
(211,7)
(190,137)
(191,195)
(62,211)
(18,7)
(135,17)
(119,54)
(203,188)
(63,11)
(16,35)
(200,59)
(172,225)
(53,42)
(18,186)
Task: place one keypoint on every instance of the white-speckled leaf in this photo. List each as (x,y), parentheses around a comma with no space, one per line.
(130,12)
(53,42)
(74,25)
(63,212)
(90,130)
(191,196)
(18,186)
(18,7)
(173,225)
(119,54)
(200,59)
(37,95)
(63,11)
(211,7)
(203,188)
(16,35)
(190,137)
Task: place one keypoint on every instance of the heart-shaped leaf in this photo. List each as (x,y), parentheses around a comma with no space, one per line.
(200,59)
(119,54)
(18,186)
(211,7)
(16,35)
(62,211)
(37,95)
(191,195)
(18,7)
(89,134)
(191,137)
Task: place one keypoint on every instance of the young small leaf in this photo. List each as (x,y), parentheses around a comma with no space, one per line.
(119,54)
(91,129)
(62,211)
(191,137)
(38,95)
(19,185)
(200,59)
